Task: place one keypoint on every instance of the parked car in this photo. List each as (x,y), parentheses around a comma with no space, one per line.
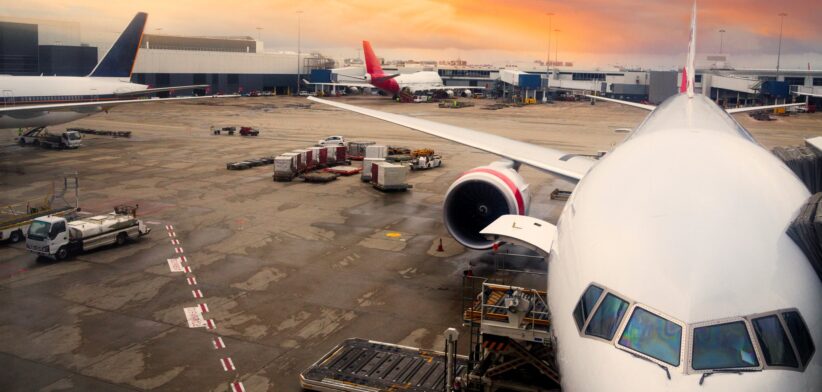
(332,141)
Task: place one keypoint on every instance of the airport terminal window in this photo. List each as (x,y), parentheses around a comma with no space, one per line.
(801,336)
(607,317)
(653,336)
(586,304)
(776,348)
(722,346)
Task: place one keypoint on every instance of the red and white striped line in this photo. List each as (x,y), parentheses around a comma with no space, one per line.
(178,250)
(183,258)
(191,281)
(218,343)
(237,386)
(197,293)
(172,234)
(210,324)
(175,242)
(169,227)
(228,364)
(204,307)
(187,269)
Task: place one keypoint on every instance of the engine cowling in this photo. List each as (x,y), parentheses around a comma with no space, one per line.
(480,196)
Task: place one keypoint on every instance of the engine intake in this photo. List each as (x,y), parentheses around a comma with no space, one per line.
(479,197)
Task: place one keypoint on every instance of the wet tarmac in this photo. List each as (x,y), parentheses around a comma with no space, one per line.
(286,270)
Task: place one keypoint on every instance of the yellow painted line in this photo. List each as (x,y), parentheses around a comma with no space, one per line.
(393,234)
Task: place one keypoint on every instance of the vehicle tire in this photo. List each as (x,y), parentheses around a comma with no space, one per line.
(22,141)
(121,239)
(61,254)
(15,236)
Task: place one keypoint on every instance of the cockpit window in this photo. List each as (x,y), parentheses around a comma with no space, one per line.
(776,348)
(607,317)
(801,336)
(723,346)
(586,304)
(653,336)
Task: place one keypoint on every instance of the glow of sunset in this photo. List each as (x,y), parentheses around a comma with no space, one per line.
(600,32)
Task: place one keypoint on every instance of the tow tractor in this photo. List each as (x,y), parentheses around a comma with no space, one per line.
(55,237)
(41,137)
(248,131)
(424,159)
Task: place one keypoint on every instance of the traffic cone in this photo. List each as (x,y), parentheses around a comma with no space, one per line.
(439,248)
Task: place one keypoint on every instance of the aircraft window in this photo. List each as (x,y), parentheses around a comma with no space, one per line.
(722,346)
(776,348)
(586,304)
(607,317)
(801,336)
(653,336)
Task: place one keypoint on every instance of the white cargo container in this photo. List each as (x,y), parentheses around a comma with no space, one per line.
(365,174)
(319,156)
(388,176)
(285,166)
(302,163)
(376,151)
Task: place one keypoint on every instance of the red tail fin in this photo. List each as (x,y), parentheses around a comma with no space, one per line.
(372,63)
(684,86)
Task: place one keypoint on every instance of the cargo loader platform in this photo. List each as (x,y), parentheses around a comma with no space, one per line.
(514,312)
(360,365)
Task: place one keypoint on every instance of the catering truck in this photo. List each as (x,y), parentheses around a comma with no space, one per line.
(52,236)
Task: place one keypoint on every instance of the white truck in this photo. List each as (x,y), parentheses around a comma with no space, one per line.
(54,237)
(42,137)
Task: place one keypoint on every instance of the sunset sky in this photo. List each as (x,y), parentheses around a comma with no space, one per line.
(650,33)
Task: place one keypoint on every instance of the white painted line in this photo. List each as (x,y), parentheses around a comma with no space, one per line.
(169,227)
(211,324)
(197,293)
(194,316)
(228,364)
(191,281)
(175,242)
(153,223)
(237,386)
(178,250)
(218,343)
(204,307)
(187,269)
(175,264)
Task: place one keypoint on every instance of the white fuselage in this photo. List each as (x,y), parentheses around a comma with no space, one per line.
(688,216)
(420,81)
(42,90)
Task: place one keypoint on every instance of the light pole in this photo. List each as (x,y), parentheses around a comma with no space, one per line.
(548,57)
(556,47)
(782,16)
(721,39)
(259,31)
(299,13)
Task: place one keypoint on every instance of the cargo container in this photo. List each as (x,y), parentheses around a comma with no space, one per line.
(389,177)
(336,154)
(356,150)
(286,166)
(367,163)
(376,151)
(319,155)
(302,162)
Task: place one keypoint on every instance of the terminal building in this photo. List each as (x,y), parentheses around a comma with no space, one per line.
(228,64)
(22,54)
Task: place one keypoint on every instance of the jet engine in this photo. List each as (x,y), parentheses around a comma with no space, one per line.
(479,197)
(353,90)
(467,93)
(449,93)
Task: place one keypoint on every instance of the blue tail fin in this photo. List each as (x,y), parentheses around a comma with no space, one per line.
(119,61)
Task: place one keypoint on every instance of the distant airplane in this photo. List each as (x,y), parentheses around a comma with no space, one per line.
(393,84)
(670,268)
(39,101)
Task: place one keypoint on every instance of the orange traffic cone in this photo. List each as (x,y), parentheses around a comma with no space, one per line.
(439,248)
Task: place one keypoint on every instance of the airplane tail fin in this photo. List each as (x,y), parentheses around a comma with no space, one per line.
(372,63)
(119,60)
(689,72)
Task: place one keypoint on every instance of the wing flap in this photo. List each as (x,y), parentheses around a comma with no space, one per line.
(766,107)
(543,158)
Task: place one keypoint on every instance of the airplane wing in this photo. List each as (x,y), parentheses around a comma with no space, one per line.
(568,166)
(351,84)
(619,101)
(809,94)
(79,106)
(163,89)
(755,108)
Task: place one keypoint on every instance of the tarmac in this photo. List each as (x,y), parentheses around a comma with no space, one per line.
(286,270)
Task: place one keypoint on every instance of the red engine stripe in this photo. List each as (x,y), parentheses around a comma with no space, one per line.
(507,181)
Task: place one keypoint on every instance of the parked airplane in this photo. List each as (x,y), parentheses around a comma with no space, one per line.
(39,101)
(688,281)
(393,84)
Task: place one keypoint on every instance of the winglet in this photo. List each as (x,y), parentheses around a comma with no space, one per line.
(119,60)
(689,73)
(372,63)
